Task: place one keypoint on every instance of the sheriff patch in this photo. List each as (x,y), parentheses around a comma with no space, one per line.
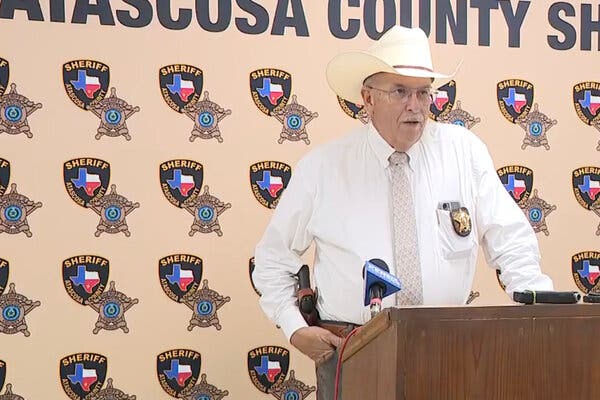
(2,373)
(586,99)
(4,175)
(86,179)
(178,370)
(85,277)
(585,269)
(443,101)
(499,279)
(517,180)
(179,275)
(180,85)
(268,366)
(82,374)
(4,268)
(4,75)
(270,89)
(353,110)
(181,181)
(268,180)
(586,186)
(250,271)
(515,98)
(85,81)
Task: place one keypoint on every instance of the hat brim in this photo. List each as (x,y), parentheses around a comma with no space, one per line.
(346,73)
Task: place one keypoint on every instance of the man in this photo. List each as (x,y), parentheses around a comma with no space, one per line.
(415,193)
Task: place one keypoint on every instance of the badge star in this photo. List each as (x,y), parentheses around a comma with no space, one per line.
(15,307)
(206,116)
(206,210)
(536,125)
(294,118)
(14,110)
(461,117)
(113,113)
(9,395)
(204,390)
(536,210)
(110,393)
(111,307)
(205,303)
(14,210)
(113,210)
(292,388)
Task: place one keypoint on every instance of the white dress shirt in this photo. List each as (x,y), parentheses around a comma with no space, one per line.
(339,197)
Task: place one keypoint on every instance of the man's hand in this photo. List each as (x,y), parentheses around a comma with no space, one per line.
(317,343)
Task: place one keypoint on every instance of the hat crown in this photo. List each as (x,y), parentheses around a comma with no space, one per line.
(400,50)
(403,47)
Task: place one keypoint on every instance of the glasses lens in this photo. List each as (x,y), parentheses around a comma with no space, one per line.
(402,94)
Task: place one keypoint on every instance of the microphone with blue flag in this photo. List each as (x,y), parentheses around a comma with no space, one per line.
(379,284)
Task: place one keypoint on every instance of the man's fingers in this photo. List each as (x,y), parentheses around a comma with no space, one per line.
(333,340)
(317,343)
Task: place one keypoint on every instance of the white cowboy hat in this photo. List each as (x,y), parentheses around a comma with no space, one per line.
(403,51)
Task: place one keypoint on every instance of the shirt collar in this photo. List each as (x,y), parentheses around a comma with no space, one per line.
(383,150)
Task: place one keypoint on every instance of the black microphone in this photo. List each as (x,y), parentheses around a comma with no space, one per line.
(591,298)
(547,297)
(379,284)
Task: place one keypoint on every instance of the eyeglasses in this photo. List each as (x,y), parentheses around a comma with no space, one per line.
(401,94)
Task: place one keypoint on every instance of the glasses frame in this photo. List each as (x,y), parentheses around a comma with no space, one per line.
(432,94)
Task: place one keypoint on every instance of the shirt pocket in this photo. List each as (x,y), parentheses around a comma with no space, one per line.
(452,245)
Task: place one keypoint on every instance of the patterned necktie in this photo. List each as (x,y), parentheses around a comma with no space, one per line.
(406,248)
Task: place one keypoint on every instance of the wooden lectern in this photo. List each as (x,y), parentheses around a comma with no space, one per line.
(488,353)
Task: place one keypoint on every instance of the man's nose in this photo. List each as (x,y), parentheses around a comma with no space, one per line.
(412,103)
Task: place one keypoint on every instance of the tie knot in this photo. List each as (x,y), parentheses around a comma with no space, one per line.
(398,158)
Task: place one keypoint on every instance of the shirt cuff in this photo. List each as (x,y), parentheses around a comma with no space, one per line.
(290,321)
(542,282)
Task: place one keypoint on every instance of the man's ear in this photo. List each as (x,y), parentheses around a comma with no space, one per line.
(367,97)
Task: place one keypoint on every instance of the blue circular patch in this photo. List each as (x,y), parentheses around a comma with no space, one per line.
(13,113)
(11,312)
(206,213)
(111,310)
(203,397)
(459,122)
(113,116)
(13,213)
(205,307)
(206,119)
(112,213)
(536,129)
(291,395)
(535,214)
(293,121)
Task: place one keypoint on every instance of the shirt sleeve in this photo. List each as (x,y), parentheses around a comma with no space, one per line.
(508,239)
(277,255)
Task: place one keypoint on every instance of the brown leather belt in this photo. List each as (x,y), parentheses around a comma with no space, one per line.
(341,329)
